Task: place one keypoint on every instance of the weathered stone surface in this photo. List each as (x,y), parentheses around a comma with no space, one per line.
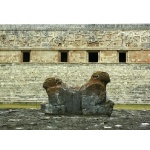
(23,82)
(115,36)
(62,99)
(32,119)
(64,27)
(90,99)
(94,95)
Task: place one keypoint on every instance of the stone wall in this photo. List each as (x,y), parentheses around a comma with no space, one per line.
(22,82)
(44,56)
(74,56)
(10,56)
(100,37)
(139,56)
(109,57)
(77,56)
(46,41)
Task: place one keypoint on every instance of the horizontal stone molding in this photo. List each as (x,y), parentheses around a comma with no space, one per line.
(69,49)
(114,38)
(65,27)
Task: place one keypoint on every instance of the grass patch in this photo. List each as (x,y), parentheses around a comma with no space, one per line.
(20,105)
(37,106)
(132,106)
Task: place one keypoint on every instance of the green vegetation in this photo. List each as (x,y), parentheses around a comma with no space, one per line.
(37,106)
(20,105)
(132,106)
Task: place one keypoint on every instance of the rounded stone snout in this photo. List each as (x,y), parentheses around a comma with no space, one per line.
(50,82)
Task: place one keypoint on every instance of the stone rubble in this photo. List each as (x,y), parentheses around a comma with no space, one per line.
(32,119)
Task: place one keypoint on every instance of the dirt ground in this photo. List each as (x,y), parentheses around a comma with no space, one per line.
(33,119)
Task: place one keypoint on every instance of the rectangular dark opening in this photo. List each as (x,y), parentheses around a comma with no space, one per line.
(26,56)
(64,57)
(122,57)
(93,56)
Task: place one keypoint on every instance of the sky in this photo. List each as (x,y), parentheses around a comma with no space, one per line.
(74,11)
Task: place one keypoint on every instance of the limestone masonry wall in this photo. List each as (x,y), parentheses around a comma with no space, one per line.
(31,53)
(77,57)
(130,83)
(44,56)
(10,56)
(75,37)
(74,56)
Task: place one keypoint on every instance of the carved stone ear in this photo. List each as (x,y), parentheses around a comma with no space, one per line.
(58,81)
(95,76)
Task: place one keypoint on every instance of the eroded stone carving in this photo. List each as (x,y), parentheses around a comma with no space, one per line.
(90,99)
(109,39)
(94,95)
(62,98)
(92,39)
(59,40)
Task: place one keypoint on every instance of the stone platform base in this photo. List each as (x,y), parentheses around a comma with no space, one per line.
(102,109)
